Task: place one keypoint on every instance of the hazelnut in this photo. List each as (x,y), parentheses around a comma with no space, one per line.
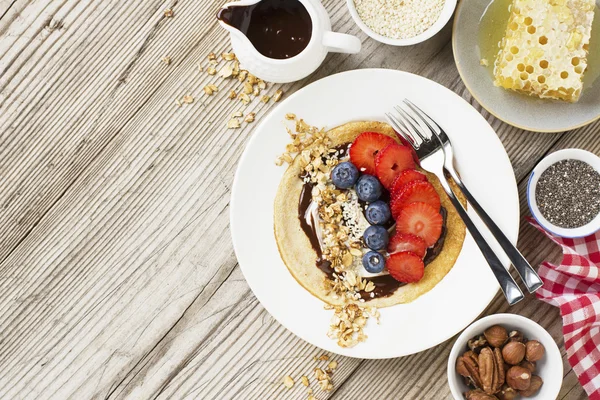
(507,393)
(516,336)
(535,351)
(534,386)
(528,365)
(518,378)
(513,352)
(496,335)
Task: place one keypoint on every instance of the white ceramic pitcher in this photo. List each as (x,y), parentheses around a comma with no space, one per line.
(322,41)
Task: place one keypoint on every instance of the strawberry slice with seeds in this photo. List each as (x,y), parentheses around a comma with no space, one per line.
(405,267)
(415,192)
(422,220)
(406,177)
(407,242)
(391,162)
(365,148)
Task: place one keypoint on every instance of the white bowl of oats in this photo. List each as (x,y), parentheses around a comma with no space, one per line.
(401,22)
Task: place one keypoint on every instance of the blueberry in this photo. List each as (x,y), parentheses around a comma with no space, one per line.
(344,175)
(373,262)
(368,188)
(378,213)
(376,237)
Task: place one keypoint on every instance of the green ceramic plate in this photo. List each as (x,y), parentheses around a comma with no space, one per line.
(520,110)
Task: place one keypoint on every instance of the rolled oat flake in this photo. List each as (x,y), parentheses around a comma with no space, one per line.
(568,193)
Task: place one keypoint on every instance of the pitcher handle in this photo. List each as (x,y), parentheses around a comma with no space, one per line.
(341,42)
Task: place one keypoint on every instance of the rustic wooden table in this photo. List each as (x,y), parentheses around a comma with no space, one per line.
(117,273)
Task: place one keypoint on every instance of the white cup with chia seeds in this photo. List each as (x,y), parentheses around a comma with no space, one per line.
(563,193)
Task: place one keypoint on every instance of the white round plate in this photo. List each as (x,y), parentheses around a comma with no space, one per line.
(520,110)
(365,95)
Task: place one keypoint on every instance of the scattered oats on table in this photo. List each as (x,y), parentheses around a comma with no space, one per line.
(244,98)
(188,99)
(210,89)
(168,13)
(288,382)
(250,117)
(226,71)
(399,19)
(166,60)
(233,123)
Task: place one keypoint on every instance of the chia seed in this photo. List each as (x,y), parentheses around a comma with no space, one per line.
(568,193)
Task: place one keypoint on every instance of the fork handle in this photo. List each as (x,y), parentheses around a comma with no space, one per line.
(509,287)
(526,272)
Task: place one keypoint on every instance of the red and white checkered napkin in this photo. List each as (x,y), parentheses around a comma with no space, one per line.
(574,287)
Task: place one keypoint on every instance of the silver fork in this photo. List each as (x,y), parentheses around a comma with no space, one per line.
(525,270)
(429,147)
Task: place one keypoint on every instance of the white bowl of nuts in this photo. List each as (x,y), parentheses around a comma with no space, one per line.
(401,22)
(505,357)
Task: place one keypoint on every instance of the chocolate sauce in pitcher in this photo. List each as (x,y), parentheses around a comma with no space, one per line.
(278,29)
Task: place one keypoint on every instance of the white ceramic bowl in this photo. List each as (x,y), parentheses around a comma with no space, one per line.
(549,368)
(574,154)
(445,16)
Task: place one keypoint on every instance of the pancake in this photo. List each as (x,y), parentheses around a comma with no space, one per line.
(300,257)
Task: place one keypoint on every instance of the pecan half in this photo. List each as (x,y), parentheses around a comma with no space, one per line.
(460,367)
(472,355)
(488,371)
(500,366)
(478,394)
(471,365)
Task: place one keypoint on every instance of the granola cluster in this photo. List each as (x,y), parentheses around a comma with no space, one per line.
(348,322)
(340,244)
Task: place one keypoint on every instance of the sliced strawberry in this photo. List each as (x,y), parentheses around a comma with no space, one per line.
(365,148)
(422,220)
(392,161)
(405,267)
(415,192)
(407,242)
(406,177)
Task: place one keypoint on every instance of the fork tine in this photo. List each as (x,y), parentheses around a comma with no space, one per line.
(421,130)
(431,123)
(409,128)
(400,128)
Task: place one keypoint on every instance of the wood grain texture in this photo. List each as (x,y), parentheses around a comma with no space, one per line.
(117,273)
